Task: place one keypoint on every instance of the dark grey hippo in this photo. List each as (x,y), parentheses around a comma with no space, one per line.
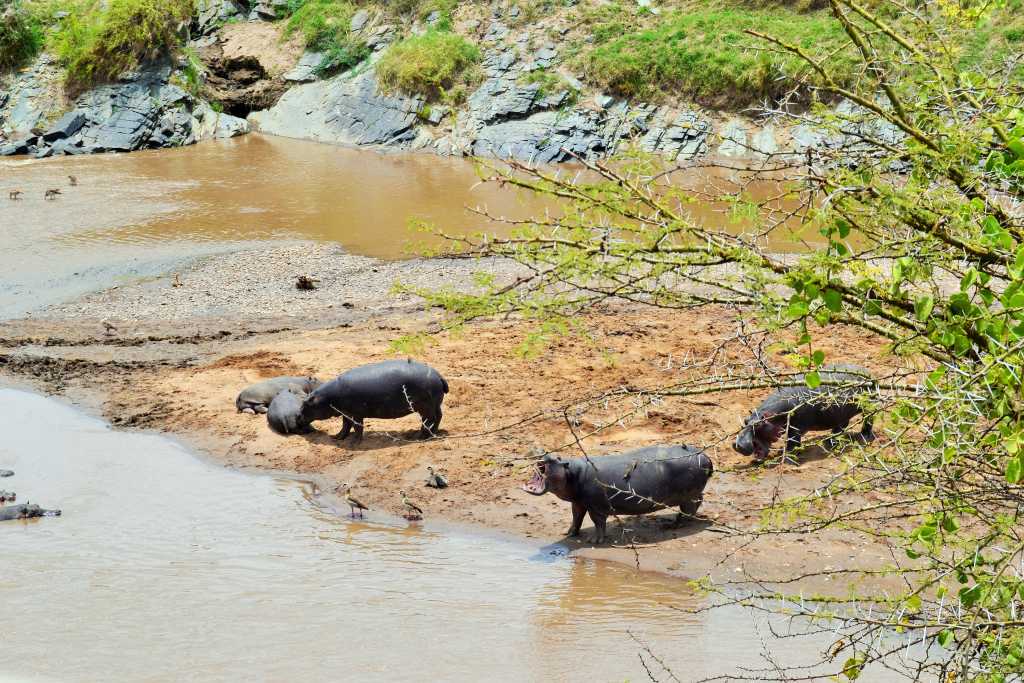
(8,497)
(6,473)
(25,511)
(661,476)
(795,410)
(386,390)
(285,413)
(257,397)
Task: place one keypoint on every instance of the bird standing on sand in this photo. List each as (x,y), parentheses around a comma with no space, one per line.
(108,328)
(73,180)
(436,480)
(51,194)
(15,194)
(353,503)
(412,510)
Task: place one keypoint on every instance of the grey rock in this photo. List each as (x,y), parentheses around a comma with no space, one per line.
(211,14)
(734,140)
(763,143)
(604,101)
(433,18)
(471,25)
(14,148)
(437,114)
(66,126)
(359,21)
(495,32)
(501,99)
(305,70)
(544,57)
(265,11)
(343,109)
(544,137)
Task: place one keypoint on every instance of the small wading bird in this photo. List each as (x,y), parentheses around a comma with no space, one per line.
(177,281)
(353,503)
(15,194)
(305,282)
(108,328)
(73,180)
(412,510)
(51,194)
(436,480)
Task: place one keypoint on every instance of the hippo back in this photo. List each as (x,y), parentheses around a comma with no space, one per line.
(669,475)
(262,393)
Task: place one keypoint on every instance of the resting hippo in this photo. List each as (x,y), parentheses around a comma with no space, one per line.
(285,413)
(795,410)
(662,477)
(257,398)
(388,390)
(8,497)
(24,511)
(6,473)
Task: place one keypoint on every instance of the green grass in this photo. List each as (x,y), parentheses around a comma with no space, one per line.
(436,64)
(549,82)
(324,27)
(21,35)
(703,54)
(98,40)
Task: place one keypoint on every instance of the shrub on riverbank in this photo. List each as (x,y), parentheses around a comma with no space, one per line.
(21,36)
(705,55)
(98,41)
(325,27)
(435,64)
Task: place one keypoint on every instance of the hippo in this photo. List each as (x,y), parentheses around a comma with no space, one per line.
(257,397)
(6,473)
(285,413)
(8,497)
(661,476)
(387,390)
(25,511)
(795,410)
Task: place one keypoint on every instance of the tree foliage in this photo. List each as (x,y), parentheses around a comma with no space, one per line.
(913,195)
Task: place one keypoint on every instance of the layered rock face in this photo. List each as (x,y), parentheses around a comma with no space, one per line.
(144,111)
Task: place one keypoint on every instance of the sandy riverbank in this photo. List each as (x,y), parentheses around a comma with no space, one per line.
(180,354)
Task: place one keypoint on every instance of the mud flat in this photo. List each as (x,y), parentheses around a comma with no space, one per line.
(180,354)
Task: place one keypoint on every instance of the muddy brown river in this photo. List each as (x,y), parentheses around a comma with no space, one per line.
(165,567)
(138,215)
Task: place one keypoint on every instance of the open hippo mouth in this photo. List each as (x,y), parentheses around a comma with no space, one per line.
(538,484)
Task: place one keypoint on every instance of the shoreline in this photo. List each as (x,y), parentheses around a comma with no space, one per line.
(154,375)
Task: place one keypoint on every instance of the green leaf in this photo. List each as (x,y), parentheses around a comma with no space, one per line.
(813,379)
(945,637)
(852,667)
(923,307)
(818,357)
(971,595)
(844,228)
(1014,470)
(833,300)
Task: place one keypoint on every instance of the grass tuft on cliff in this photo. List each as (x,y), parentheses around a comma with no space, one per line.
(325,27)
(21,35)
(437,64)
(704,55)
(100,40)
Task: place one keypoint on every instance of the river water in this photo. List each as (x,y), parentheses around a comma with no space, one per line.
(165,567)
(138,215)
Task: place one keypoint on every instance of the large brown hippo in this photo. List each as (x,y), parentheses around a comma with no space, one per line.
(256,398)
(632,483)
(388,390)
(795,410)
(25,511)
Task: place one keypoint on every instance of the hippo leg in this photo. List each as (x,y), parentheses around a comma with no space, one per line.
(688,510)
(600,522)
(346,427)
(578,510)
(247,410)
(261,409)
(430,422)
(793,438)
(358,424)
(867,430)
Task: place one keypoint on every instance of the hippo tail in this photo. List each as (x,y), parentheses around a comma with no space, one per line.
(706,465)
(444,385)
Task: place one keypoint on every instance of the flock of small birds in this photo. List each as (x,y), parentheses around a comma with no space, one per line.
(52,193)
(412,510)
